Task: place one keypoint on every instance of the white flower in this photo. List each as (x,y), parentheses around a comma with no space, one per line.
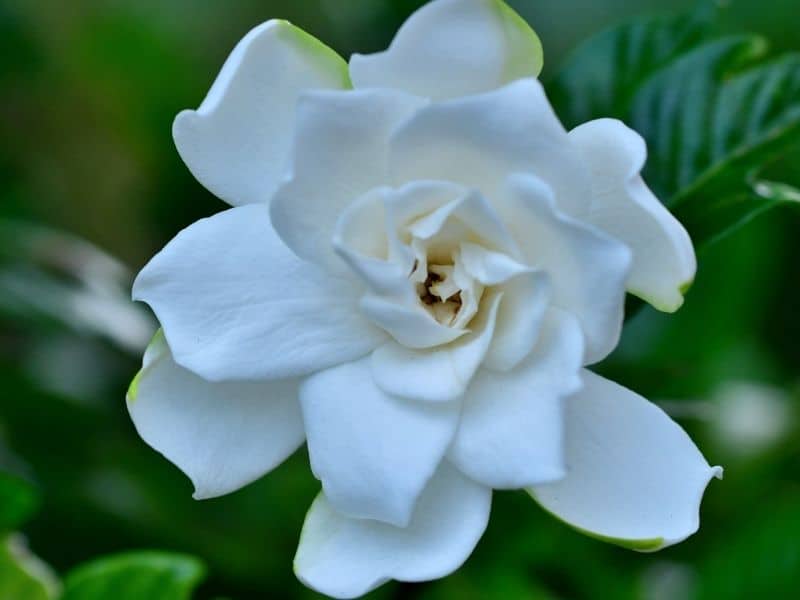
(413,277)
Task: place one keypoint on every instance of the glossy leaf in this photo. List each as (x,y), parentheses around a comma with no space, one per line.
(712,112)
(602,76)
(135,576)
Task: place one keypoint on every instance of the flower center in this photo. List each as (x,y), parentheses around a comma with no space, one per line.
(449,295)
(440,295)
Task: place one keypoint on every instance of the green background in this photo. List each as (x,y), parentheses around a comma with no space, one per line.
(88,91)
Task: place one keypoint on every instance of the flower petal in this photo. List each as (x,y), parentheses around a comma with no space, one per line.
(222,435)
(526,294)
(525,300)
(235,303)
(635,478)
(664,262)
(346,558)
(588,269)
(340,153)
(511,430)
(440,374)
(473,214)
(452,48)
(237,143)
(410,325)
(373,452)
(480,140)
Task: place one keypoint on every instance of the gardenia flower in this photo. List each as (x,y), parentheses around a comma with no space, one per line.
(418,266)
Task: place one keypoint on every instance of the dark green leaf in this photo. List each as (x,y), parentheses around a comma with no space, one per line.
(18,501)
(708,130)
(602,76)
(135,576)
(725,213)
(712,113)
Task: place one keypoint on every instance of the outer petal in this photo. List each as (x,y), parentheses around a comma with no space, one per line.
(340,153)
(480,140)
(222,435)
(664,262)
(451,48)
(511,430)
(235,303)
(346,558)
(237,143)
(373,452)
(440,374)
(588,269)
(635,478)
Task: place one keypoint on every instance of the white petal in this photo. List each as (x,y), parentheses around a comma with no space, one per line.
(473,214)
(453,48)
(374,453)
(588,269)
(511,430)
(340,153)
(222,435)
(489,267)
(440,374)
(519,319)
(346,558)
(237,143)
(480,140)
(235,303)
(664,262)
(410,325)
(635,478)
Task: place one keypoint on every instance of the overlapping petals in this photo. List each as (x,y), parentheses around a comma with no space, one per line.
(412,279)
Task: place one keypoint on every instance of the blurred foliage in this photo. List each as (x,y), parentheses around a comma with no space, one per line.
(90,88)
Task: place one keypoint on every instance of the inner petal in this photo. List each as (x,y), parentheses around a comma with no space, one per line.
(447,292)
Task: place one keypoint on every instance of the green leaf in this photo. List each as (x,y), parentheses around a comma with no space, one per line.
(601,77)
(709,221)
(18,501)
(135,576)
(712,112)
(22,575)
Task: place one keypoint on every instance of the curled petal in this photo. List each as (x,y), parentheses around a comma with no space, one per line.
(237,142)
(664,263)
(634,477)
(222,435)
(346,558)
